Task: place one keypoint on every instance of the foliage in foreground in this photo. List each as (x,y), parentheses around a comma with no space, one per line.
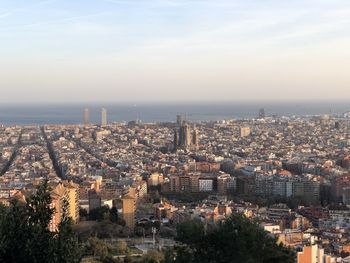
(235,240)
(25,237)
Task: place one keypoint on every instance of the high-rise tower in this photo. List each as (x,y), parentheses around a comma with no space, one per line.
(86,116)
(262,113)
(179,120)
(103,117)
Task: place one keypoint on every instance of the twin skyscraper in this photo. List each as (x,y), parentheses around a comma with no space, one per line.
(86,117)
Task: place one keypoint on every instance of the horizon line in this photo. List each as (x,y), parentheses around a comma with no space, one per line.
(176,102)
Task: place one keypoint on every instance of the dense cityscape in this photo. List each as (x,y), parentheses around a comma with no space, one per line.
(174,131)
(131,184)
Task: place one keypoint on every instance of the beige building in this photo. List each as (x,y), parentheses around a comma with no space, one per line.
(103,117)
(314,254)
(128,211)
(244,131)
(65,190)
(72,190)
(155,179)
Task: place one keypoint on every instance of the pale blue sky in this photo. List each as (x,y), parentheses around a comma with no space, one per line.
(113,50)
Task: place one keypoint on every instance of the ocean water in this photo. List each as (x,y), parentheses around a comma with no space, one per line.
(39,114)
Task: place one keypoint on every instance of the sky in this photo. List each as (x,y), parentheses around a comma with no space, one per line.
(174,50)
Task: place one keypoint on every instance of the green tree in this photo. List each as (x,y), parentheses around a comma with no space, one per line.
(153,256)
(25,236)
(2,210)
(122,247)
(98,247)
(235,240)
(99,213)
(40,243)
(83,213)
(14,232)
(190,232)
(113,215)
(128,259)
(67,246)
(110,259)
(179,254)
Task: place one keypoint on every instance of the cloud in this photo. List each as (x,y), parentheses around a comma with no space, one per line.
(56,21)
(3,15)
(183,44)
(46,2)
(89,29)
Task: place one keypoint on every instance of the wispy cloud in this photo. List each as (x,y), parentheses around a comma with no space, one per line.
(223,42)
(56,21)
(3,15)
(89,29)
(46,2)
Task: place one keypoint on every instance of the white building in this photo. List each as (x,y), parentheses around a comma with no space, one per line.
(205,185)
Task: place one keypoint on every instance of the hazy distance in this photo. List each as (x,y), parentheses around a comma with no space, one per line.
(174,50)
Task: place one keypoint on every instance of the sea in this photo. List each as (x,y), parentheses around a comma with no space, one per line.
(72,113)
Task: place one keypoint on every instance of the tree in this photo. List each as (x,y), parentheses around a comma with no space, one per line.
(127,259)
(235,240)
(40,244)
(113,215)
(2,210)
(179,254)
(110,259)
(122,247)
(67,246)
(14,232)
(25,236)
(153,256)
(83,213)
(190,232)
(98,213)
(98,247)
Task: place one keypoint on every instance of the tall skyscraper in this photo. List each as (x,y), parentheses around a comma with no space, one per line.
(103,117)
(179,120)
(86,116)
(262,113)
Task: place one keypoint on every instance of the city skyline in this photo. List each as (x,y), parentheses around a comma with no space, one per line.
(117,50)
(175,131)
